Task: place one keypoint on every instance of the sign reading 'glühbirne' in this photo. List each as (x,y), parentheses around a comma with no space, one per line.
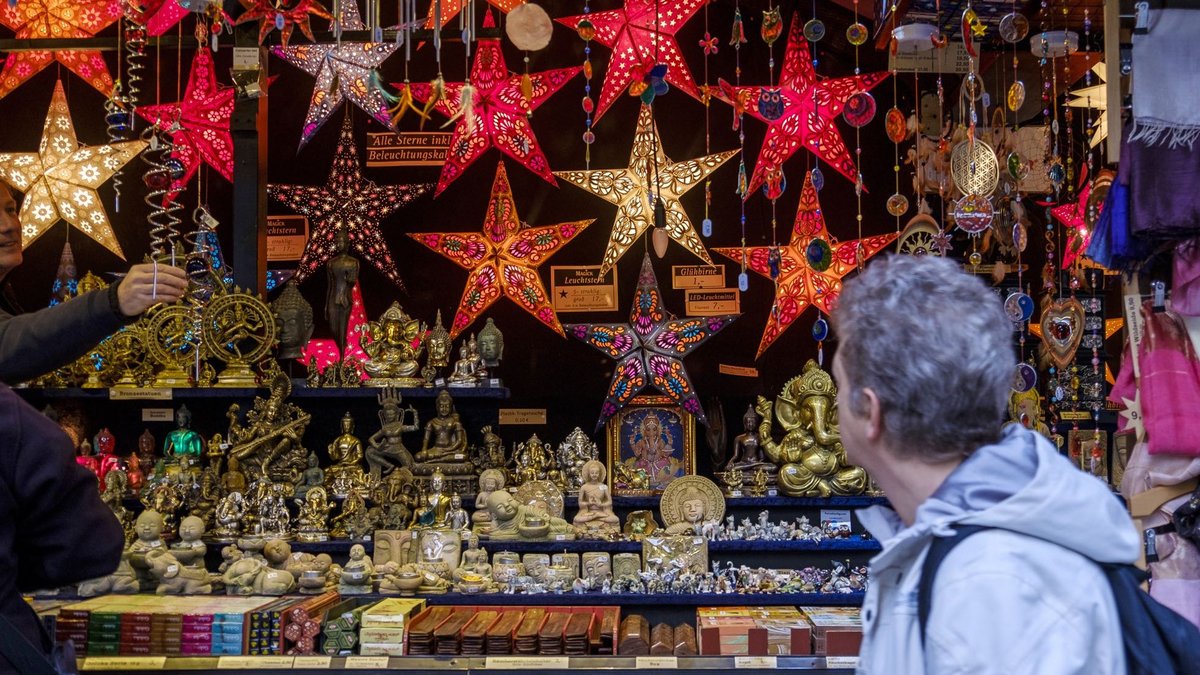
(286,237)
(409,148)
(697,276)
(712,302)
(578,288)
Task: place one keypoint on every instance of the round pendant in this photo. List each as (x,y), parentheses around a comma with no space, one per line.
(1024,378)
(1013,27)
(1016,168)
(814,30)
(857,34)
(586,29)
(175,167)
(1019,307)
(976,258)
(819,255)
(1020,237)
(818,178)
(860,110)
(973,214)
(896,125)
(1057,173)
(1016,95)
(820,330)
(897,204)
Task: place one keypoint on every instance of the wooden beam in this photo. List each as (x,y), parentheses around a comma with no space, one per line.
(1112,59)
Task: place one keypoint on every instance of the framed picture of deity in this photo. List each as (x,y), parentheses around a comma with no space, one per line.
(651,442)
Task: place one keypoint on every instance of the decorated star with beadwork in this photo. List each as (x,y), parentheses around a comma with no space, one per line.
(60,179)
(503,259)
(641,35)
(649,176)
(811,265)
(199,124)
(33,19)
(272,14)
(342,71)
(800,112)
(348,202)
(649,350)
(498,115)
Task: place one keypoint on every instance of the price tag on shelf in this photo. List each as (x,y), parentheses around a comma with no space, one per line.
(754,662)
(255,662)
(313,662)
(123,663)
(841,661)
(659,662)
(139,394)
(526,662)
(367,662)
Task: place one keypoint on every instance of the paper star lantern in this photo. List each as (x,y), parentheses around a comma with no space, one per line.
(641,35)
(203,118)
(500,115)
(1071,215)
(162,15)
(799,112)
(342,71)
(1096,98)
(60,180)
(650,348)
(269,17)
(326,351)
(811,265)
(451,8)
(32,19)
(503,259)
(347,202)
(634,189)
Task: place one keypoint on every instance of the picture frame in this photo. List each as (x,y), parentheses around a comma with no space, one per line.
(1088,449)
(642,461)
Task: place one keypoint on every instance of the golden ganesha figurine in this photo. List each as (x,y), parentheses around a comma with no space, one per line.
(811,457)
(396,342)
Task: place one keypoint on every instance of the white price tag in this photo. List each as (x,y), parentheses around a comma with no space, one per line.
(660,662)
(367,662)
(313,662)
(124,663)
(254,662)
(526,662)
(754,662)
(841,661)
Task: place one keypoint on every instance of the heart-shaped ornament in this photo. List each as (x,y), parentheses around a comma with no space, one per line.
(1062,328)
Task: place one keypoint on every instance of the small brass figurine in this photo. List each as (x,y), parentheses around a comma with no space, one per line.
(438,347)
(434,511)
(491,345)
(346,451)
(465,368)
(312,521)
(396,342)
(385,448)
(445,444)
(269,444)
(747,454)
(573,453)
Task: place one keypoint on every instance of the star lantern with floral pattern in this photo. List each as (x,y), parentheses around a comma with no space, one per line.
(34,19)
(202,134)
(342,71)
(649,350)
(61,178)
(349,202)
(811,265)
(503,259)
(800,112)
(451,9)
(641,35)
(1071,215)
(287,16)
(650,175)
(499,116)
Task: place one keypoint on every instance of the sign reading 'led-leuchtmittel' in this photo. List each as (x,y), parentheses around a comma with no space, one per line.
(409,148)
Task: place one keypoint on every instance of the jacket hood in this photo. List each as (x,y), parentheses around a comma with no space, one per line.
(1022,483)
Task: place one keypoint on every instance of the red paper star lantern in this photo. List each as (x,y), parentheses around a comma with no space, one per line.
(799,112)
(641,35)
(269,16)
(325,351)
(1071,215)
(503,259)
(811,265)
(33,19)
(451,8)
(499,116)
(161,16)
(347,202)
(203,122)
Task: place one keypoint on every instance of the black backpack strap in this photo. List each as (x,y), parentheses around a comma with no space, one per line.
(939,548)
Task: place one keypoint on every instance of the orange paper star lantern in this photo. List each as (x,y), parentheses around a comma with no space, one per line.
(33,19)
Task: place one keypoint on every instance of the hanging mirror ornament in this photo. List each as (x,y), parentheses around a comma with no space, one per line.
(860,110)
(897,205)
(819,254)
(814,30)
(974,168)
(818,178)
(1024,378)
(820,329)
(1020,237)
(857,34)
(1019,307)
(1016,168)
(529,27)
(772,26)
(1014,27)
(1016,95)
(896,125)
(973,214)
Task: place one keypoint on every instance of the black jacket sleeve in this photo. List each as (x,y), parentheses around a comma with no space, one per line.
(35,343)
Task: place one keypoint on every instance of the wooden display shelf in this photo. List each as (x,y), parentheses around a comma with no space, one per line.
(172,393)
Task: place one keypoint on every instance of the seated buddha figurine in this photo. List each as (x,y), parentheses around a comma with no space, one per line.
(595,515)
(747,455)
(183,444)
(445,442)
(346,451)
(465,368)
(396,341)
(434,508)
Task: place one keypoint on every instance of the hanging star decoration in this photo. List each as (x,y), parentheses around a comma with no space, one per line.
(271,14)
(451,8)
(1096,98)
(347,202)
(641,35)
(33,19)
(343,71)
(497,114)
(503,259)
(650,348)
(650,175)
(1071,215)
(801,111)
(60,179)
(325,350)
(161,15)
(199,124)
(811,265)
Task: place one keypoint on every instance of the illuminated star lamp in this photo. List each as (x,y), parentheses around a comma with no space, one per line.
(503,259)
(203,117)
(1094,97)
(1071,215)
(811,265)
(451,8)
(342,71)
(634,188)
(500,113)
(325,351)
(650,348)
(60,180)
(641,35)
(291,16)
(349,202)
(800,112)
(33,19)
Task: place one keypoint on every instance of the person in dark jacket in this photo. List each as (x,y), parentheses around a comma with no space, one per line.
(54,530)
(36,343)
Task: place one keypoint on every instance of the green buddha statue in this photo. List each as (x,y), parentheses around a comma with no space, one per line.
(182,441)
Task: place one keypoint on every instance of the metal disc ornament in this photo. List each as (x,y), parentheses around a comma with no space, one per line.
(1013,27)
(896,125)
(897,205)
(974,168)
(1020,237)
(819,255)
(814,30)
(973,214)
(1019,307)
(820,329)
(1024,378)
(1016,95)
(860,110)
(1016,168)
(857,34)
(818,178)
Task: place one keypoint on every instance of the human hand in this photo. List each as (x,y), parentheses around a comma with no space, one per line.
(148,284)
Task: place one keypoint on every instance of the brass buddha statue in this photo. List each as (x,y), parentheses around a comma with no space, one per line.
(396,341)
(445,444)
(346,451)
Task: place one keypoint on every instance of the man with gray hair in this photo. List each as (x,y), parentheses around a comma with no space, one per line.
(924,365)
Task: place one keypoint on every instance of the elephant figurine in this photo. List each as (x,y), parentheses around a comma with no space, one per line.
(123,581)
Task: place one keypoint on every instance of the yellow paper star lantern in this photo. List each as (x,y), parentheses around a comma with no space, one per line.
(1094,97)
(650,174)
(60,179)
